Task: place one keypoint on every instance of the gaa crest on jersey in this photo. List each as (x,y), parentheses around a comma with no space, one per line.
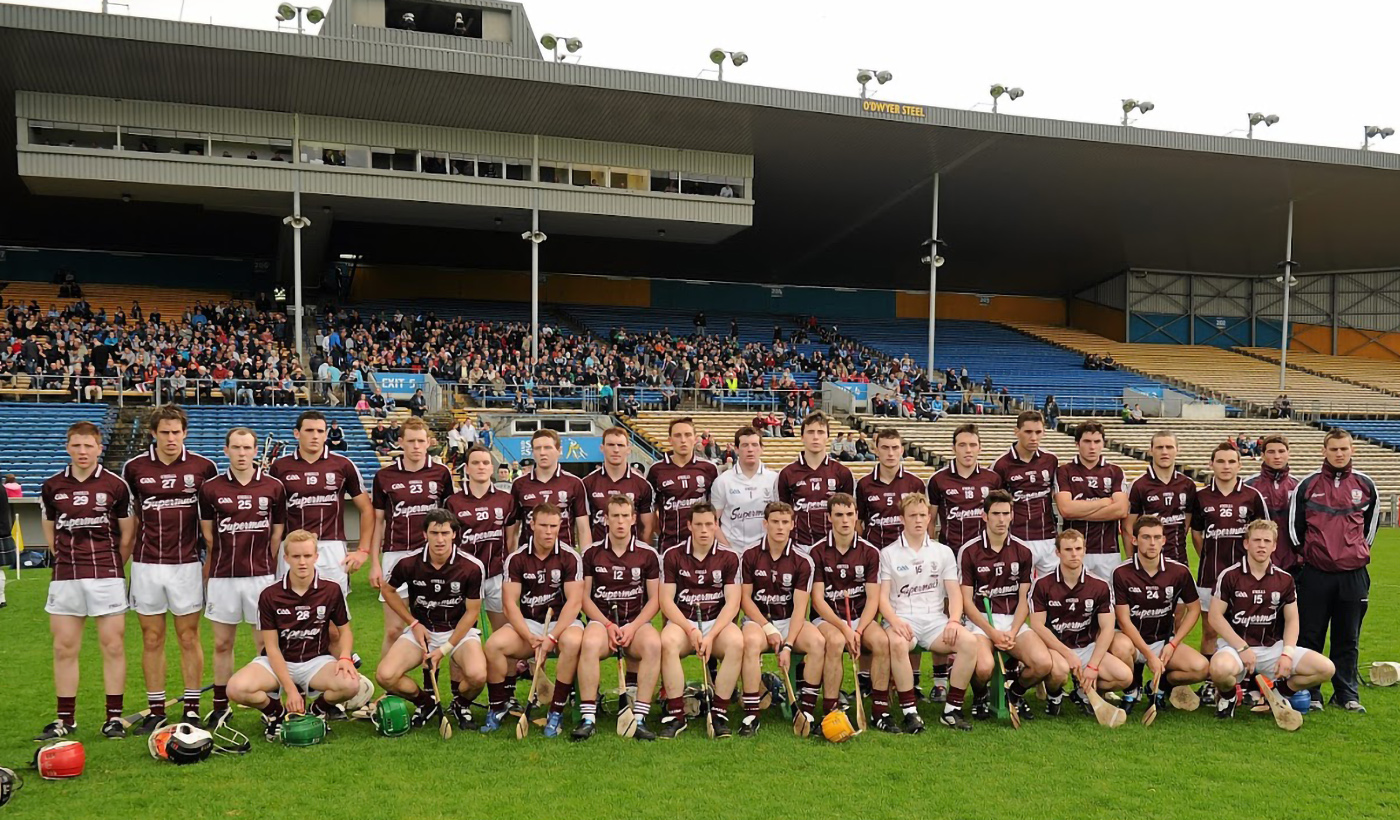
(555,576)
(1357,495)
(101,499)
(1274,598)
(787,579)
(455,587)
(189,481)
(860,572)
(719,577)
(320,611)
(1088,605)
(433,487)
(331,479)
(262,503)
(1015,567)
(1243,511)
(636,573)
(1168,591)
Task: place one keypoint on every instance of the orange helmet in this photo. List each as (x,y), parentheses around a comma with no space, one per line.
(57,761)
(180,743)
(836,727)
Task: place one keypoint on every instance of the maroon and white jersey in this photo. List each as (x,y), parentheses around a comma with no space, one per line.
(1277,486)
(563,490)
(243,516)
(1081,482)
(542,580)
(1072,612)
(483,521)
(1031,484)
(1171,501)
(1222,519)
(700,582)
(808,490)
(619,582)
(995,574)
(1152,599)
(958,502)
(775,581)
(165,498)
(844,574)
(86,536)
(1254,606)
(675,490)
(438,596)
(601,487)
(877,504)
(405,497)
(302,621)
(316,492)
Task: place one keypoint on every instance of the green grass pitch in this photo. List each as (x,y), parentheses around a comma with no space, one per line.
(1185,766)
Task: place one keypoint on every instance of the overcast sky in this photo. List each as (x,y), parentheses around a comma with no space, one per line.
(1325,69)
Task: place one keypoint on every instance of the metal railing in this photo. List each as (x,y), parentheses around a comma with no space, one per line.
(255,392)
(593,399)
(76,388)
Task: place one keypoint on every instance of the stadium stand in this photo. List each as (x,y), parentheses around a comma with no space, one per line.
(210,424)
(171,303)
(1377,374)
(1385,433)
(32,438)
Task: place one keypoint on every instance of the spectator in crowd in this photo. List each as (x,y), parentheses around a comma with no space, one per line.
(1134,416)
(700,323)
(843,448)
(733,330)
(418,404)
(379,438)
(787,428)
(1051,411)
(335,438)
(1283,407)
(863,452)
(12,486)
(362,406)
(503,477)
(1246,446)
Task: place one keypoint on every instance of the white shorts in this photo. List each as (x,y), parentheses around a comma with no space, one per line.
(491,600)
(1085,654)
(1205,594)
(836,623)
(1001,621)
(1043,556)
(160,588)
(927,632)
(1102,566)
(1265,658)
(87,597)
(1155,646)
(387,562)
(301,673)
(437,640)
(330,556)
(235,600)
(537,628)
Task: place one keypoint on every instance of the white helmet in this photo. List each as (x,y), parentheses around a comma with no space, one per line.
(362,697)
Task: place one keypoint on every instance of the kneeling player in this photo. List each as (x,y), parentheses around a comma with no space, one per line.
(846,582)
(777,580)
(1254,609)
(996,569)
(700,596)
(295,616)
(542,577)
(918,578)
(1150,594)
(1072,612)
(622,580)
(444,602)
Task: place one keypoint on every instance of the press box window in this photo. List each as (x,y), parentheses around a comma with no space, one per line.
(72,135)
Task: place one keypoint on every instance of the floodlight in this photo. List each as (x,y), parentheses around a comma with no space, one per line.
(315,15)
(285,12)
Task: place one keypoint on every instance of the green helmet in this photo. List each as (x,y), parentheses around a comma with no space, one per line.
(303,730)
(393,716)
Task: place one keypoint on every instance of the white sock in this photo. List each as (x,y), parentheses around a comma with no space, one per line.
(2,586)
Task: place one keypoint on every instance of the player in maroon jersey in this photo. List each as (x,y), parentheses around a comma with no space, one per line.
(542,578)
(958,490)
(1028,473)
(1276,485)
(1224,507)
(1155,601)
(996,566)
(1092,497)
(811,479)
(403,493)
(299,654)
(1255,614)
(700,597)
(615,477)
(680,480)
(777,579)
(484,513)
(166,575)
(1164,492)
(89,530)
(317,482)
(846,582)
(441,607)
(547,482)
(878,494)
(622,583)
(241,516)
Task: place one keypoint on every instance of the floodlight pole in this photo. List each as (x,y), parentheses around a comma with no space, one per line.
(932,279)
(1287,282)
(535,265)
(297,222)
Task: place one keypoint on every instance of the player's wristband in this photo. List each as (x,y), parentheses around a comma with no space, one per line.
(415,623)
(1091,667)
(1174,642)
(550,637)
(787,646)
(346,658)
(769,629)
(1242,649)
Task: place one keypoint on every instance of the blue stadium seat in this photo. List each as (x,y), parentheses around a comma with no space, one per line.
(32,437)
(209,425)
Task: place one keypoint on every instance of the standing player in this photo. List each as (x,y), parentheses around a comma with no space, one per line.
(1157,606)
(846,580)
(679,481)
(242,513)
(996,566)
(1276,485)
(295,617)
(878,494)
(89,530)
(166,575)
(777,581)
(542,576)
(622,584)
(549,483)
(1255,614)
(484,512)
(1028,473)
(1092,498)
(443,605)
(616,477)
(317,481)
(742,493)
(700,597)
(1224,507)
(811,480)
(923,607)
(402,495)
(1072,612)
(1165,493)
